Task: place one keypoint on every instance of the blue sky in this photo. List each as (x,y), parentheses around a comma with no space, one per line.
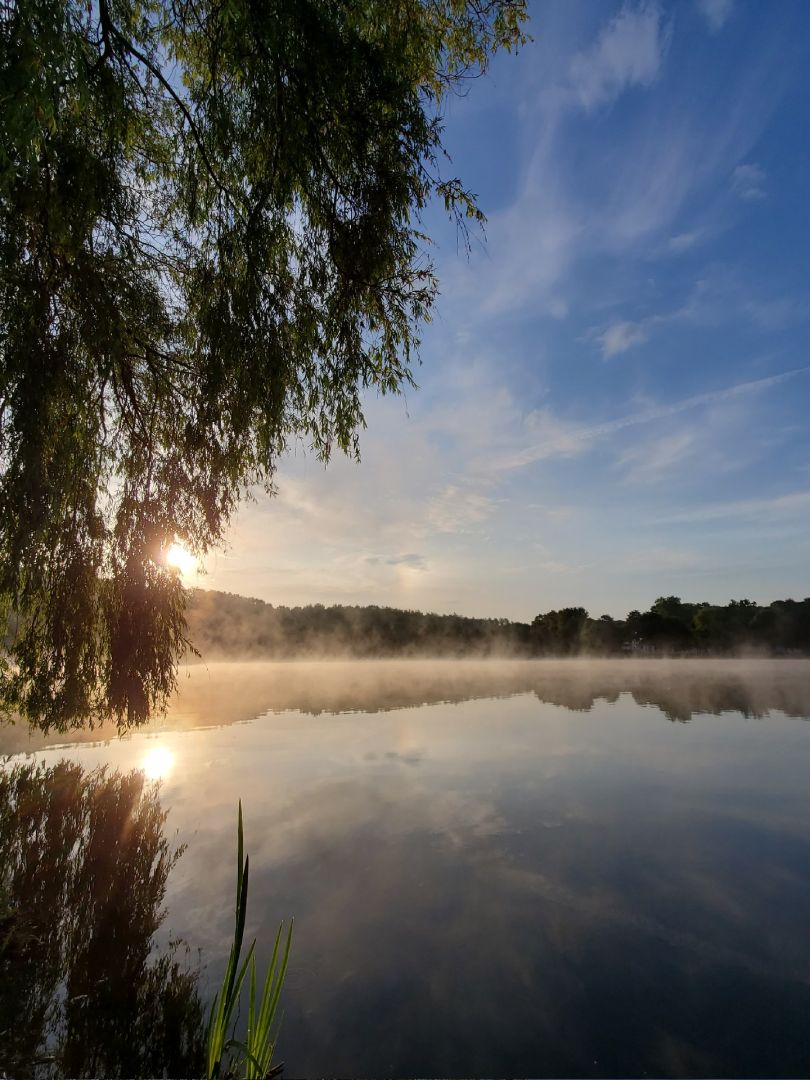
(614,392)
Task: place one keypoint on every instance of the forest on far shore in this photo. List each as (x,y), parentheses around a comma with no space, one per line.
(223,625)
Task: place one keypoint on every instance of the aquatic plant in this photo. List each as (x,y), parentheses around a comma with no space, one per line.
(260,1042)
(256,1052)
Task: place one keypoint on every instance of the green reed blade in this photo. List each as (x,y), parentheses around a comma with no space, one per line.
(257,1051)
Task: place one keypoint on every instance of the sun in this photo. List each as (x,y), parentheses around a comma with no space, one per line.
(158,763)
(180,559)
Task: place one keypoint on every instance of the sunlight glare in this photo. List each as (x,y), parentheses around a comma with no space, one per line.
(181,560)
(158,763)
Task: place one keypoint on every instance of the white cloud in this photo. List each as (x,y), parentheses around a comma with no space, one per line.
(347,534)
(718,297)
(567,439)
(776,313)
(622,336)
(715,12)
(412,560)
(671,156)
(457,509)
(556,566)
(529,251)
(551,436)
(561,513)
(616,199)
(647,464)
(684,241)
(792,504)
(661,560)
(722,295)
(748,181)
(461,512)
(628,52)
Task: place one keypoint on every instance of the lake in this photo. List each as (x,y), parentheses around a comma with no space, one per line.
(524,868)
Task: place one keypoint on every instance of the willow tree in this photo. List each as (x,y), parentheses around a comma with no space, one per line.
(209,246)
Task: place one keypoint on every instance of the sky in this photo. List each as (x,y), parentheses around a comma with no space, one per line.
(613,395)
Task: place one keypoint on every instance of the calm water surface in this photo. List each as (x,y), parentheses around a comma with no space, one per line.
(530,868)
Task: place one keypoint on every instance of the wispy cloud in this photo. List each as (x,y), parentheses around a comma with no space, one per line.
(647,464)
(556,566)
(628,52)
(748,181)
(776,313)
(566,439)
(411,559)
(716,297)
(660,560)
(715,12)
(794,503)
(622,336)
(685,241)
(457,509)
(631,138)
(561,513)
(618,200)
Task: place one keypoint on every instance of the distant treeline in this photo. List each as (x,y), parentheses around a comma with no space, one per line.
(674,627)
(222,624)
(225,625)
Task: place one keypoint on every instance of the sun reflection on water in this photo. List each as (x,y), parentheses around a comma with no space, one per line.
(158,763)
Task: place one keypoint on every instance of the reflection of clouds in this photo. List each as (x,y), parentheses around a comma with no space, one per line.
(506,885)
(407,757)
(437,903)
(472,829)
(391,806)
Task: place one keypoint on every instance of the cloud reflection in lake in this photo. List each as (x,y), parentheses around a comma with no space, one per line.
(542,871)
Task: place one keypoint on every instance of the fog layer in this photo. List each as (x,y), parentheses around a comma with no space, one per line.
(228,693)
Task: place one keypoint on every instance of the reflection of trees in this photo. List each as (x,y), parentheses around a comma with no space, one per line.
(681,689)
(681,694)
(83,871)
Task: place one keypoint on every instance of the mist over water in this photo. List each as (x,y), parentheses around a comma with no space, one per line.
(521,867)
(223,692)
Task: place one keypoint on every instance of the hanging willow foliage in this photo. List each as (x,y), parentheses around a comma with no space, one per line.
(209,246)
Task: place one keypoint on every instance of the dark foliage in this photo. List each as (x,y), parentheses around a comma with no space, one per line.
(210,247)
(672,627)
(224,625)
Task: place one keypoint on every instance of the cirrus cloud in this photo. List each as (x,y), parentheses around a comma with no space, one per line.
(628,52)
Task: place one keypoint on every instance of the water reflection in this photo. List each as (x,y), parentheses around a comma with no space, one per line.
(84,865)
(680,689)
(228,693)
(547,920)
(537,872)
(158,763)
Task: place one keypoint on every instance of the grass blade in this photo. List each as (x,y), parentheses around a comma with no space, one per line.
(257,1051)
(261,1041)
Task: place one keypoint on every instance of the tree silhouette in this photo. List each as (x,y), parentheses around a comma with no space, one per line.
(210,247)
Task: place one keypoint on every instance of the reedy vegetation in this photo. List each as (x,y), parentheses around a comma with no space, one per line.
(210,246)
(255,1054)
